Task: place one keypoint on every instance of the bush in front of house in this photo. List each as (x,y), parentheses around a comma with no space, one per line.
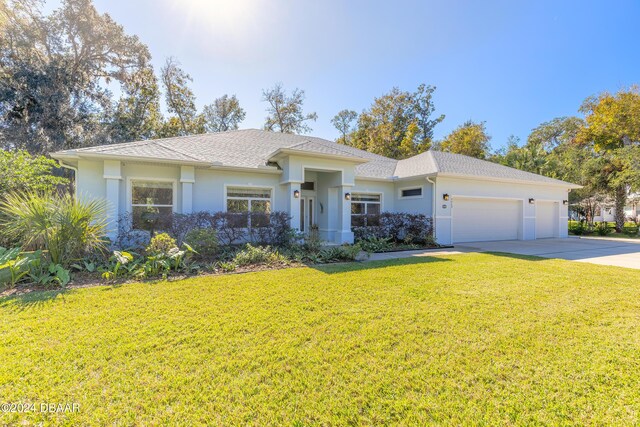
(399,228)
(603,229)
(64,228)
(204,241)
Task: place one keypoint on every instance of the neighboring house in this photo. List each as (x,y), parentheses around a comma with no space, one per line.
(606,213)
(319,182)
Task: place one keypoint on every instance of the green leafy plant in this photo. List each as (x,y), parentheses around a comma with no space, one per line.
(13,266)
(59,274)
(376,244)
(253,255)
(603,229)
(118,260)
(226,266)
(204,241)
(312,241)
(161,244)
(66,228)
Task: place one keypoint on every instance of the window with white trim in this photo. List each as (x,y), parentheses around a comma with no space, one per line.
(253,206)
(151,204)
(365,209)
(406,193)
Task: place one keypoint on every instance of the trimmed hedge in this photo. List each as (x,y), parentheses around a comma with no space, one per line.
(398,227)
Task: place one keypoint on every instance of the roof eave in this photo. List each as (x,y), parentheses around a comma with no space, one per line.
(280,152)
(511,180)
(75,155)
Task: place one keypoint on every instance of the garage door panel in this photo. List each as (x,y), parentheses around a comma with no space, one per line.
(476,220)
(546,219)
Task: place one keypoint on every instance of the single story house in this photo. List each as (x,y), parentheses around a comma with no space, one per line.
(319,182)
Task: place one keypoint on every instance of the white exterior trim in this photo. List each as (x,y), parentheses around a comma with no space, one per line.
(129,201)
(411,187)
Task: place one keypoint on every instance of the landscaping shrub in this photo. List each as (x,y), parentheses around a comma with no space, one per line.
(376,244)
(255,255)
(399,227)
(204,241)
(312,241)
(630,229)
(66,228)
(161,244)
(603,229)
(274,232)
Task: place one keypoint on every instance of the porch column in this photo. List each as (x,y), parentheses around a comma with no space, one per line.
(293,204)
(344,233)
(187,179)
(112,177)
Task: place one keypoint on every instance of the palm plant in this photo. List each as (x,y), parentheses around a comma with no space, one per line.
(66,228)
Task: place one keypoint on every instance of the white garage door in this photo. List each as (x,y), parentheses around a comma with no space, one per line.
(477,220)
(546,219)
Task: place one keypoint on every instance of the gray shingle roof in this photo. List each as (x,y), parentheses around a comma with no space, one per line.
(252,148)
(441,163)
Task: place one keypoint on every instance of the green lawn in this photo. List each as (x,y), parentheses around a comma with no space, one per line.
(471,339)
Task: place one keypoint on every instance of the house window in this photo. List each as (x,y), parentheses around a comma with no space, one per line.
(252,206)
(151,204)
(308,185)
(411,192)
(365,209)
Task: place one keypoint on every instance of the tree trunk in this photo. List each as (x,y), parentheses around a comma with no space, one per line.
(621,200)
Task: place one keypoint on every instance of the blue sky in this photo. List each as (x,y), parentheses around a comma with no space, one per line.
(512,64)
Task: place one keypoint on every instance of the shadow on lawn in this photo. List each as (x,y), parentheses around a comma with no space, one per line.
(369,265)
(518,256)
(33,299)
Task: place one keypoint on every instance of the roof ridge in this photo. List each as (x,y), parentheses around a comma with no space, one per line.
(179,151)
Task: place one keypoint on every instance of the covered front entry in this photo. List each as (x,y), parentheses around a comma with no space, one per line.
(480,219)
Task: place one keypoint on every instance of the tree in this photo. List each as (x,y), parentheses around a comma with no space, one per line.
(52,74)
(180,100)
(423,109)
(343,123)
(137,114)
(470,139)
(398,124)
(612,131)
(24,173)
(224,114)
(285,112)
(561,130)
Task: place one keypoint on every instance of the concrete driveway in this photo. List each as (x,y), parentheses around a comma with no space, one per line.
(616,252)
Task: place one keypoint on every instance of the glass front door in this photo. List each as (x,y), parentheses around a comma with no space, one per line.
(306,213)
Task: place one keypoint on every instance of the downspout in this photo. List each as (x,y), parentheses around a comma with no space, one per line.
(75,177)
(433,206)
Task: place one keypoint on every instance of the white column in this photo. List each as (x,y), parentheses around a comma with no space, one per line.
(187,179)
(112,177)
(344,234)
(294,204)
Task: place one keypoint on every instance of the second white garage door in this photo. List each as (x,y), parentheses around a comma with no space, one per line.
(546,220)
(477,220)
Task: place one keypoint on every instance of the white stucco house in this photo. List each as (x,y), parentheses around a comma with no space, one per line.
(320,182)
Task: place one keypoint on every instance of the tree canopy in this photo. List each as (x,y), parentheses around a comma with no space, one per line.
(224,114)
(285,113)
(398,124)
(470,139)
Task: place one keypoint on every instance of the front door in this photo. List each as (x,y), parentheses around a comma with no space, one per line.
(307,213)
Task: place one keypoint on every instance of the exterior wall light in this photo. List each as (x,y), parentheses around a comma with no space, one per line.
(296,194)
(532,201)
(565,202)
(347,196)
(445,197)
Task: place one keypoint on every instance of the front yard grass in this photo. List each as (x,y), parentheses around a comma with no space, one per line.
(461,339)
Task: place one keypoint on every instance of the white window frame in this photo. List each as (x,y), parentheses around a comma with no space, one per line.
(130,183)
(413,187)
(369,193)
(250,199)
